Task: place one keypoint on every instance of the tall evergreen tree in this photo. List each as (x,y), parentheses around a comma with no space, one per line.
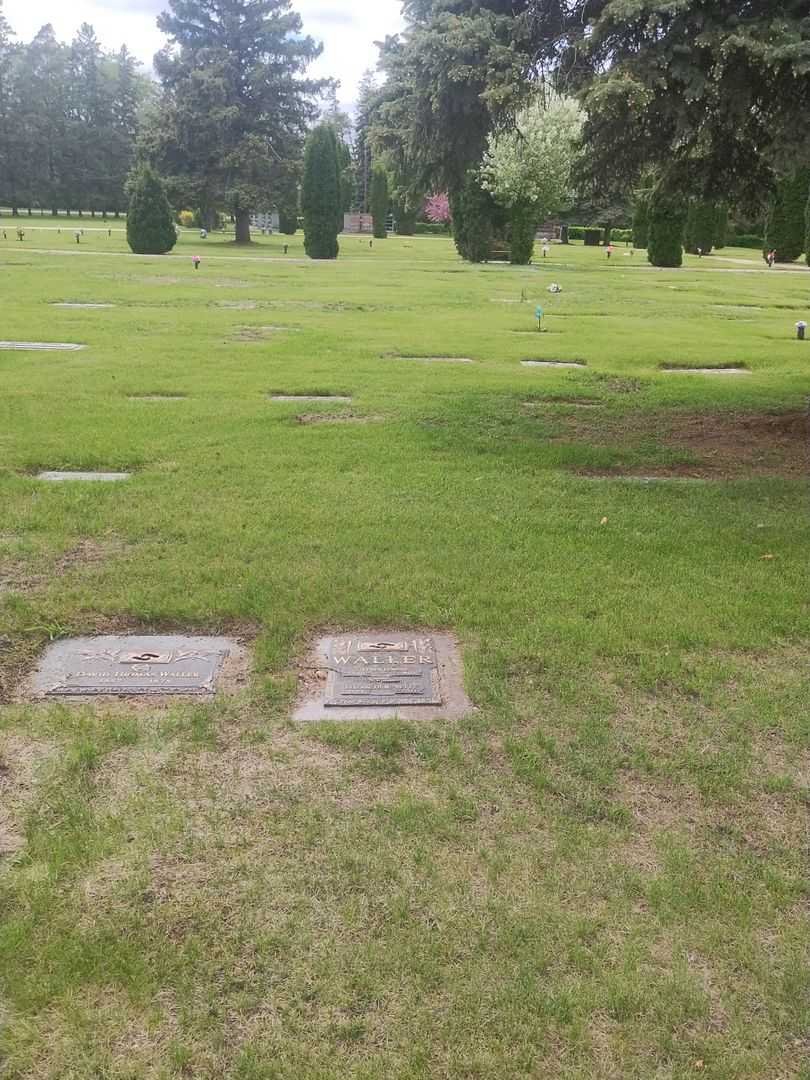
(320,194)
(379,201)
(477,219)
(667,220)
(367,94)
(89,122)
(235,105)
(12,160)
(715,92)
(127,97)
(701,226)
(150,221)
(641,219)
(721,226)
(785,230)
(45,82)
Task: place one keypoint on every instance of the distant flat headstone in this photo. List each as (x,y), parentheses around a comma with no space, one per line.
(67,305)
(157,397)
(308,397)
(58,477)
(379,674)
(41,346)
(435,359)
(126,665)
(553,363)
(707,370)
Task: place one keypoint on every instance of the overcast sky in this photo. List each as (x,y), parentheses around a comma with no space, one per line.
(347,28)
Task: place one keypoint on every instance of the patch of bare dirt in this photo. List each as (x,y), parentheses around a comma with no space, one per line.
(337,418)
(722,444)
(262,333)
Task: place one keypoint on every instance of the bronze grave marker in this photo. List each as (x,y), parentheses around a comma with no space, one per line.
(369,671)
(129,665)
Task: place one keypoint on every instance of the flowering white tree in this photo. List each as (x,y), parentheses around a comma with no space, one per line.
(531,163)
(528,168)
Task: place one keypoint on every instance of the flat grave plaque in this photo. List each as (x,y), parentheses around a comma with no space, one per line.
(434,359)
(41,346)
(370,671)
(553,363)
(57,477)
(706,371)
(309,397)
(125,666)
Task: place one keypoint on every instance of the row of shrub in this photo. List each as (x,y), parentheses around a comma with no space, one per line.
(600,234)
(428,228)
(746,240)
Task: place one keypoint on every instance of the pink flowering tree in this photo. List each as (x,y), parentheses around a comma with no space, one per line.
(437,209)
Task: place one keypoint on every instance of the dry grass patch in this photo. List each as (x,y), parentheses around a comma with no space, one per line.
(21,759)
(723,444)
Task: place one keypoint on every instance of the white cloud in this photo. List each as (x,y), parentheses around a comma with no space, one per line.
(348,30)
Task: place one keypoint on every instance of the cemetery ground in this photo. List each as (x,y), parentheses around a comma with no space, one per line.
(600,871)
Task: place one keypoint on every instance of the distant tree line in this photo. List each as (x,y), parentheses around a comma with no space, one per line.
(68,121)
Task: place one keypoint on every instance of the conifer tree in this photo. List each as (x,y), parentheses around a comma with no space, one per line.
(785,231)
(236,103)
(321,194)
(666,227)
(641,220)
(150,221)
(721,226)
(380,203)
(701,226)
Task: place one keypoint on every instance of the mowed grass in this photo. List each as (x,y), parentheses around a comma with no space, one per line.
(601,872)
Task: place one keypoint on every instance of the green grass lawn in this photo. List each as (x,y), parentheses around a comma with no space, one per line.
(601,873)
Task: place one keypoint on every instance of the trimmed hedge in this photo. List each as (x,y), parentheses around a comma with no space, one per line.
(618,236)
(667,221)
(430,228)
(747,240)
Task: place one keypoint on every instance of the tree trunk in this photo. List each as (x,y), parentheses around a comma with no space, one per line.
(243,227)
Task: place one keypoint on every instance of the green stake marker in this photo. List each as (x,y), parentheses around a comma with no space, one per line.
(538,314)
